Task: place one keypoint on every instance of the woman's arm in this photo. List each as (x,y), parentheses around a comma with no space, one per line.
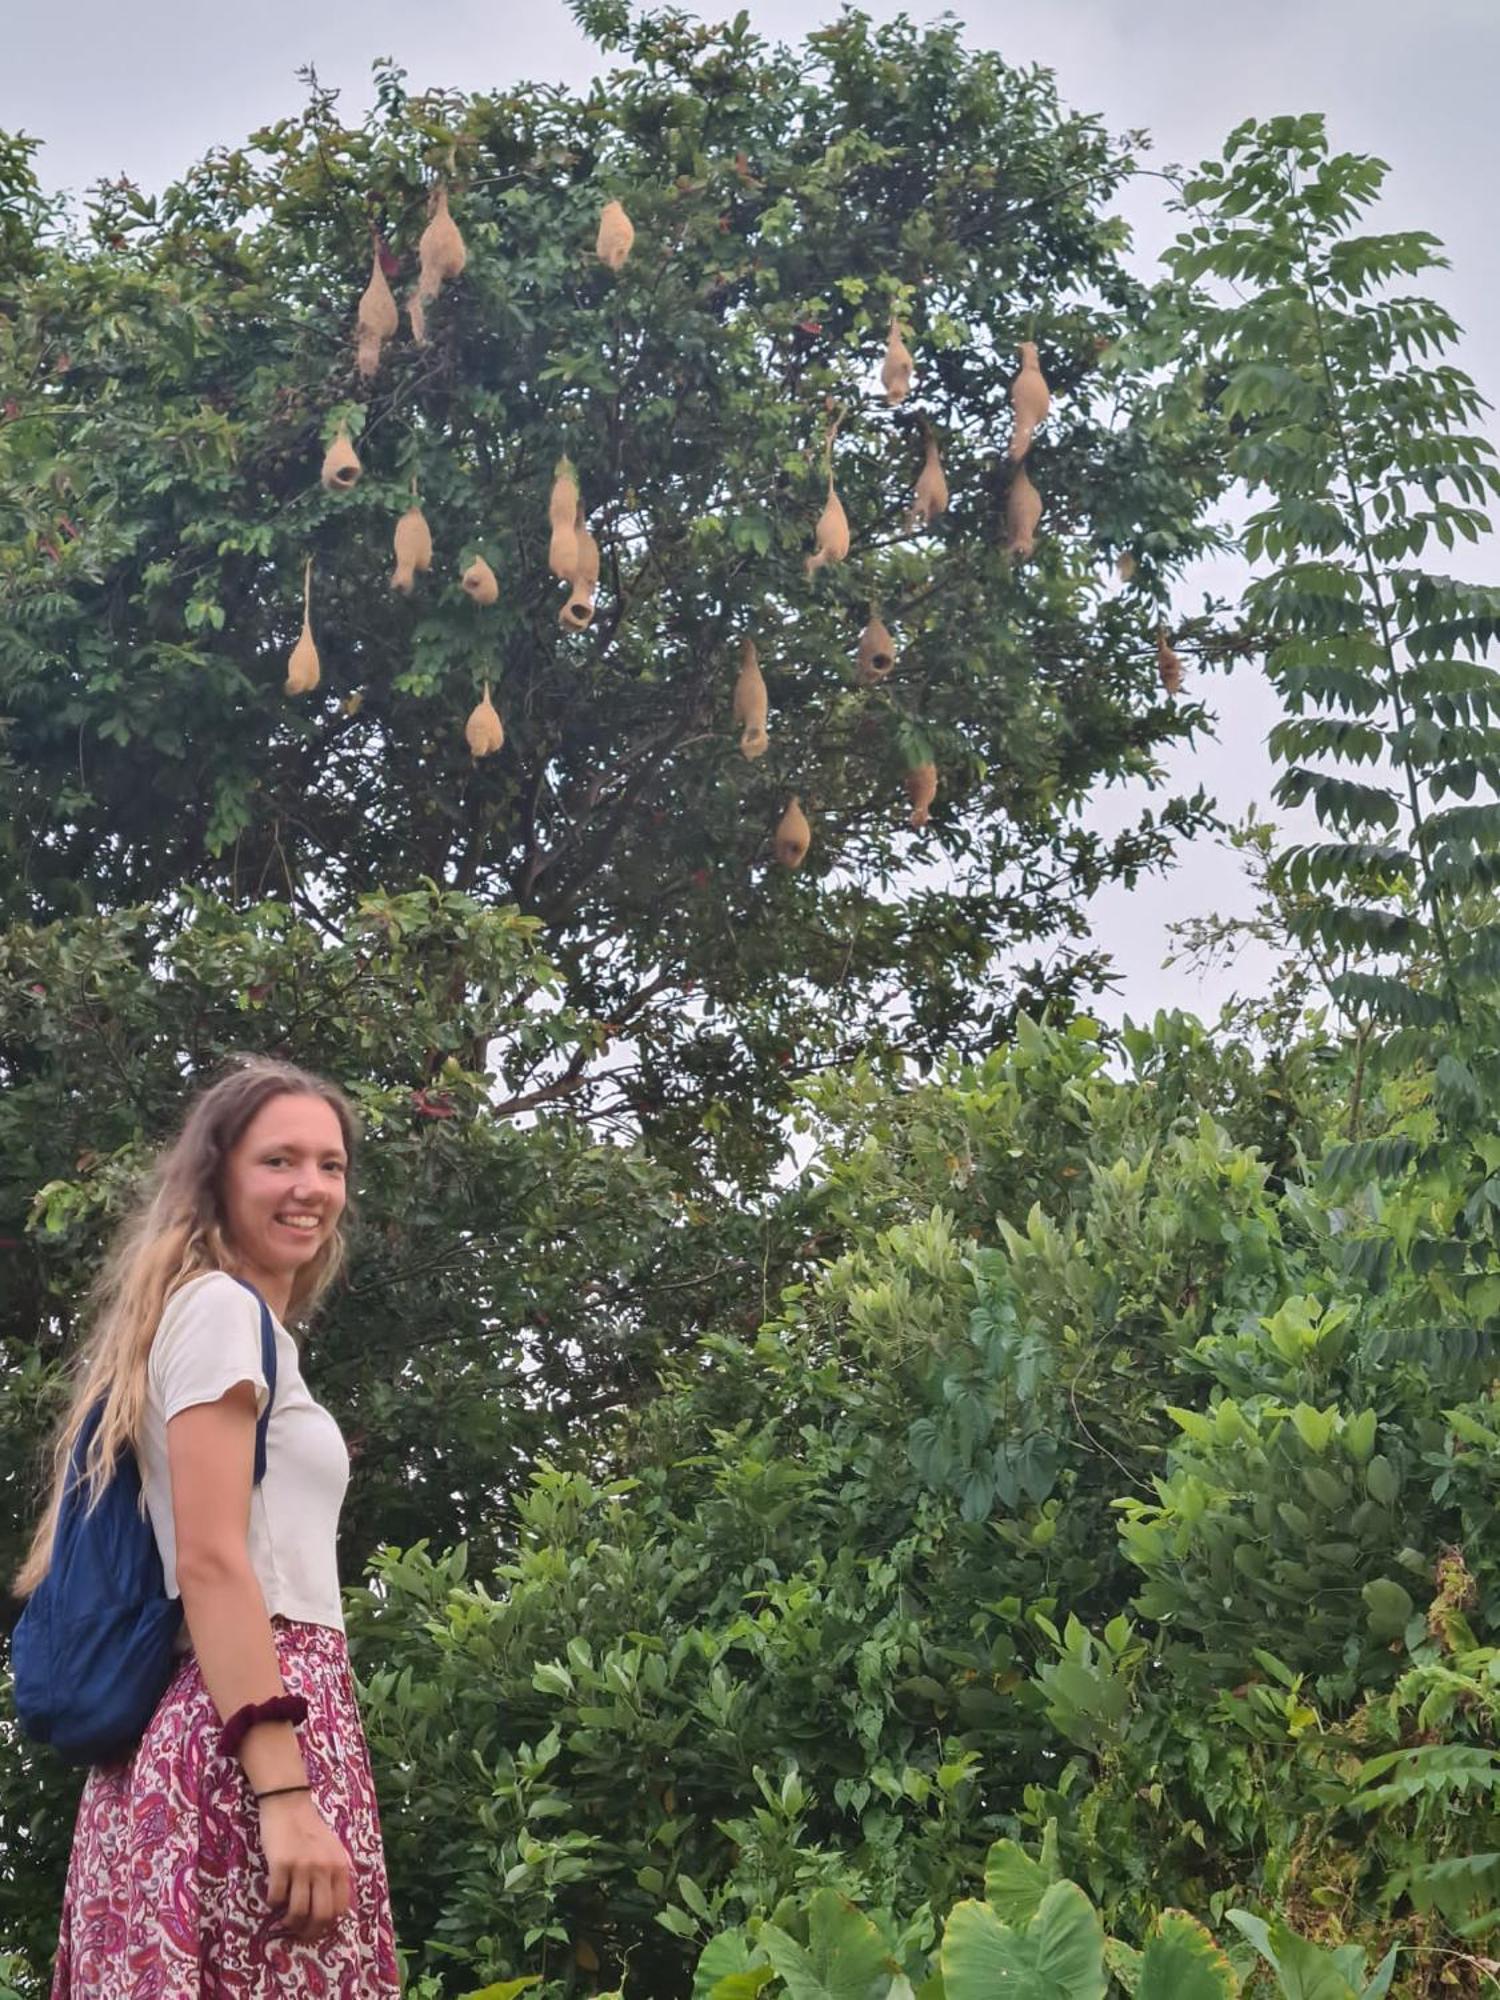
(210,1454)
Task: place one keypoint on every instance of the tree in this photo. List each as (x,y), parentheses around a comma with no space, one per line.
(180,366)
(1356,439)
(1359,439)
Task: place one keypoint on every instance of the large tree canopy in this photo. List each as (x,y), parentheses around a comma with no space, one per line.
(176,368)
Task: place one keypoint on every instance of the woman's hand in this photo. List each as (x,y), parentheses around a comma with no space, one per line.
(309,1865)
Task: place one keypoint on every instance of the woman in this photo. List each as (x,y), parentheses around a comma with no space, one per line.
(250,1865)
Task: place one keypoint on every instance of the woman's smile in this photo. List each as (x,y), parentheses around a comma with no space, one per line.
(284,1190)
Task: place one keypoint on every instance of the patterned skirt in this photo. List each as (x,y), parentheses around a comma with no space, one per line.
(167,1883)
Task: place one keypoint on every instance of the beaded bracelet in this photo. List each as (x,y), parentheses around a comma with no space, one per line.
(280,1708)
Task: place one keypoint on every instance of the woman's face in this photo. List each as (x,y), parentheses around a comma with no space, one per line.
(284,1190)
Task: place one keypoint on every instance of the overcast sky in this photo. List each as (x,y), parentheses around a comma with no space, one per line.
(143,87)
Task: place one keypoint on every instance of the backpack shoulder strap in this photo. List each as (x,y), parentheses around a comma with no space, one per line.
(268,1368)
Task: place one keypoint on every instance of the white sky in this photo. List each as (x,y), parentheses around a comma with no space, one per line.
(146,86)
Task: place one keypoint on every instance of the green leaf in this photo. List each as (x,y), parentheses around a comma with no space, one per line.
(1182,1962)
(844,1952)
(1123,1962)
(1359,1436)
(1060,1955)
(1385,1972)
(1314,1427)
(730,1955)
(1381,1481)
(1390,1608)
(552,1678)
(1014,1884)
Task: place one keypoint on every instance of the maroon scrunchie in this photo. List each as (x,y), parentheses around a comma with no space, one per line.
(280,1708)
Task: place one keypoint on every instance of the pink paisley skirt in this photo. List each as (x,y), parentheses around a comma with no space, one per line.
(167,1884)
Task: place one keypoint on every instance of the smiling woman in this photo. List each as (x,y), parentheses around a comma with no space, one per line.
(227,1851)
(284,1191)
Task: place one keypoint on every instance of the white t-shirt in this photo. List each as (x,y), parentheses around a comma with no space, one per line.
(207,1340)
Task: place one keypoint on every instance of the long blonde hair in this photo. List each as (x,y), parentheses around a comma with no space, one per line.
(176,1232)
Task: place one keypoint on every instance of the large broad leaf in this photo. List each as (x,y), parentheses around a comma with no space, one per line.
(508,1989)
(742,1985)
(845,1953)
(1123,1963)
(1014,1884)
(1059,1956)
(731,1968)
(1183,1962)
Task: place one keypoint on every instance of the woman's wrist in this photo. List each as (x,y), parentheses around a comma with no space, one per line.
(277,1708)
(271,1756)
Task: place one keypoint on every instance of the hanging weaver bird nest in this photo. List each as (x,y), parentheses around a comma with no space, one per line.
(479,582)
(751,703)
(921,789)
(1168,665)
(302,670)
(895,369)
(441,257)
(562,513)
(1030,400)
(341,466)
(831,534)
(484,732)
(413,547)
(877,652)
(577,613)
(377,319)
(1023,510)
(793,836)
(616,235)
(931,496)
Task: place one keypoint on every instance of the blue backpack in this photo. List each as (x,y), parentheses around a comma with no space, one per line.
(92,1651)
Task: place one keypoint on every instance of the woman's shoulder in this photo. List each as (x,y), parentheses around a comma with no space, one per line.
(211,1295)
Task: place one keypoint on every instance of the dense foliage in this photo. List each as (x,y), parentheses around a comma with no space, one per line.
(1132,1514)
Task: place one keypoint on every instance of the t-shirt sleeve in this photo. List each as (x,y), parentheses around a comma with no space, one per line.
(207,1341)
